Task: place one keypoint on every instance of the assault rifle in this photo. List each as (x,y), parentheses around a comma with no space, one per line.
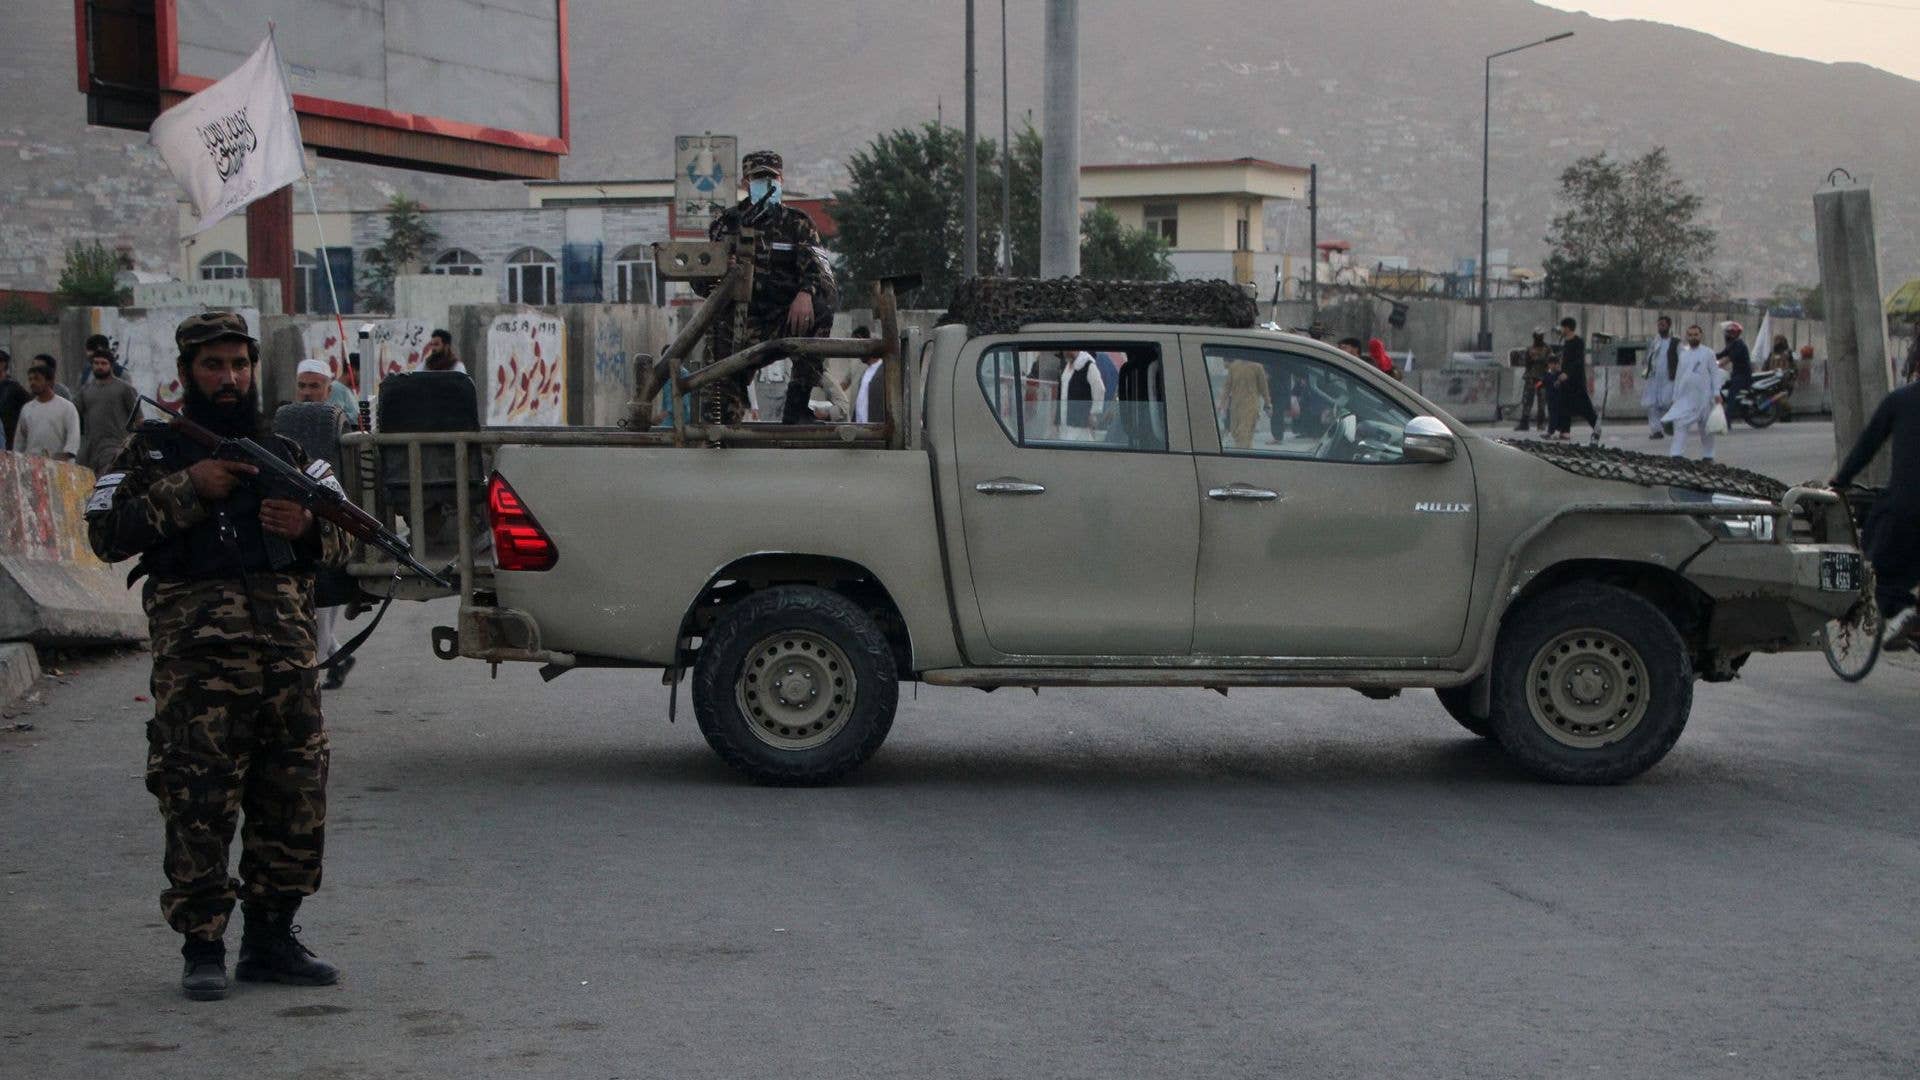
(283,481)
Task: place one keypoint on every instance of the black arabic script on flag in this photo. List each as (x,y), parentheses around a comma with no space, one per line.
(229,140)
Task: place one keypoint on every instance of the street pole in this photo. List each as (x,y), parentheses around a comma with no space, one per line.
(969,173)
(1485,340)
(1313,242)
(1060,156)
(1006,157)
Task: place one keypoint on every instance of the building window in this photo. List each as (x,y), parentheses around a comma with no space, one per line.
(1163,220)
(532,278)
(459,262)
(222,266)
(633,277)
(1242,235)
(308,285)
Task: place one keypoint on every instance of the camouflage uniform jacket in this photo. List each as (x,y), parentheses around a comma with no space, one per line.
(787,258)
(139,504)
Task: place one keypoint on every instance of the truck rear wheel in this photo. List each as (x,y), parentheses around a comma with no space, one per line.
(795,685)
(1592,685)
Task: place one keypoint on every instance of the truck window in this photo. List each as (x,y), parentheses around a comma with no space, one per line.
(1081,397)
(1277,404)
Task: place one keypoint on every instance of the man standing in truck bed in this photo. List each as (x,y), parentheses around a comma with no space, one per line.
(793,288)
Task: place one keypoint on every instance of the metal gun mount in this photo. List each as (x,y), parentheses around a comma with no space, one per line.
(716,261)
(692,260)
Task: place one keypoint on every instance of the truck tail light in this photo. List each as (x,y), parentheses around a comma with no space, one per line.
(519,543)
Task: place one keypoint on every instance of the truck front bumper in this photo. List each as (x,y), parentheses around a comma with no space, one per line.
(1776,597)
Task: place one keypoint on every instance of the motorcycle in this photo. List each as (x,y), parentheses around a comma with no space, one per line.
(1761,401)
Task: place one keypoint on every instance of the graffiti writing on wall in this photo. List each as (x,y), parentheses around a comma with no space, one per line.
(392,347)
(610,355)
(527,371)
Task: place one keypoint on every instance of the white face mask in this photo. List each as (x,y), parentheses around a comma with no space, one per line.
(763,190)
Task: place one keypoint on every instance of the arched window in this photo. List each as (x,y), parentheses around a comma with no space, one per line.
(633,278)
(532,278)
(459,262)
(222,266)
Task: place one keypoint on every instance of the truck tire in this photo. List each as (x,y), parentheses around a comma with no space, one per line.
(1458,701)
(1592,685)
(795,685)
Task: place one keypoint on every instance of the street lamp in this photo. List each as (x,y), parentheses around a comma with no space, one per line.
(1486,140)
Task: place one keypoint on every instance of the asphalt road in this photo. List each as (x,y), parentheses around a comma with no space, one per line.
(548,880)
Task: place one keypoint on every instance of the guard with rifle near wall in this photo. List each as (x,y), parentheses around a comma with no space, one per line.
(228,526)
(793,291)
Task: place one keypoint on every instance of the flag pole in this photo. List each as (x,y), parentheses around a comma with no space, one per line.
(319,230)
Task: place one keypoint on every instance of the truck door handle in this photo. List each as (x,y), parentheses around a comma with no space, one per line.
(1241,491)
(1007,485)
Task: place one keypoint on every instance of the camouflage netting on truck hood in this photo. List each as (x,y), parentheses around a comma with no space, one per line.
(1004,305)
(1651,470)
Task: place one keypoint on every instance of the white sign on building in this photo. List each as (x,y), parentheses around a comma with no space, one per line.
(706,175)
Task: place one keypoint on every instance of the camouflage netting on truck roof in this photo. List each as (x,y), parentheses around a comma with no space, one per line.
(1003,305)
(1651,470)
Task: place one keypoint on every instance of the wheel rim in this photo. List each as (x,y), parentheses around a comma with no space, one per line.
(1852,643)
(796,690)
(1587,689)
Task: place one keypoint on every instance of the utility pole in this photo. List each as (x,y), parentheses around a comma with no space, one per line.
(1485,340)
(1313,240)
(1006,157)
(1060,156)
(970,174)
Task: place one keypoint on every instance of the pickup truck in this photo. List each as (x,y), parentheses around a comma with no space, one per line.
(1561,600)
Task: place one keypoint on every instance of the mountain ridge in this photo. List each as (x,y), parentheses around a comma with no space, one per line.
(1383,96)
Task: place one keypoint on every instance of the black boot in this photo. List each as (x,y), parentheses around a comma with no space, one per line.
(269,952)
(205,976)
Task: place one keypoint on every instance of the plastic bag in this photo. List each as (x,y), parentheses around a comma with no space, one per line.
(1717,420)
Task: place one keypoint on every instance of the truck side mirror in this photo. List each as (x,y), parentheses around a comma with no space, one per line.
(1428,441)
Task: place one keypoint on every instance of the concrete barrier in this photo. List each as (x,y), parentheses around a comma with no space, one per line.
(1469,394)
(19,671)
(53,590)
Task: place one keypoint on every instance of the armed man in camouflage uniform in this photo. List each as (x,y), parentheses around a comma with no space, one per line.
(236,726)
(793,289)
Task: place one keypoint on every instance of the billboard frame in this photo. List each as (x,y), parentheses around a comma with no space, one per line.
(520,147)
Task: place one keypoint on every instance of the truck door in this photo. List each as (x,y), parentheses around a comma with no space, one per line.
(1317,540)
(1077,498)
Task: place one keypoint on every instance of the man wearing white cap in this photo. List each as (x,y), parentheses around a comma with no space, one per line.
(313,382)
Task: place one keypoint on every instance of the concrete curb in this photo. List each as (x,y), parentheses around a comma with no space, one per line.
(19,670)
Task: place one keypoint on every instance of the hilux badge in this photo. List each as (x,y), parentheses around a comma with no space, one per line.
(1443,508)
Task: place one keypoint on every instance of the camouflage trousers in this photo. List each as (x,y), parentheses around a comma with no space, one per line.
(235,732)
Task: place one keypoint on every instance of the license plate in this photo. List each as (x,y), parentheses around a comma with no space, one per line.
(1839,571)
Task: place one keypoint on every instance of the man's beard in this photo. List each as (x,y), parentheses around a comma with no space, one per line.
(239,419)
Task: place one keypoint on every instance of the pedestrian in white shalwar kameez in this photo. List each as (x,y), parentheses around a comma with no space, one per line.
(1656,379)
(1695,391)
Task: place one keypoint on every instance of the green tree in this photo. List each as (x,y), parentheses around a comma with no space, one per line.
(1111,250)
(408,237)
(88,278)
(901,212)
(1628,233)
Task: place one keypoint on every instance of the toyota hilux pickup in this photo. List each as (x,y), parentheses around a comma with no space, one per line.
(1225,507)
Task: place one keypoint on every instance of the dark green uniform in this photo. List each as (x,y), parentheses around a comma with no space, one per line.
(787,258)
(237,727)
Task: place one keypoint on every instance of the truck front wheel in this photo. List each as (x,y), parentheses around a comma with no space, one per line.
(795,685)
(1592,685)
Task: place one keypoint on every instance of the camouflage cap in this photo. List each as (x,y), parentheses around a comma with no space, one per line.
(211,326)
(761,163)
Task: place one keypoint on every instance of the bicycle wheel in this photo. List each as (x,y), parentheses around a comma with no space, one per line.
(1852,643)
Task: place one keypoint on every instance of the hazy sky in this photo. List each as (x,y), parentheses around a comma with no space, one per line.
(1884,33)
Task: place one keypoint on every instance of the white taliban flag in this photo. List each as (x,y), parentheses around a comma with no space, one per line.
(236,141)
